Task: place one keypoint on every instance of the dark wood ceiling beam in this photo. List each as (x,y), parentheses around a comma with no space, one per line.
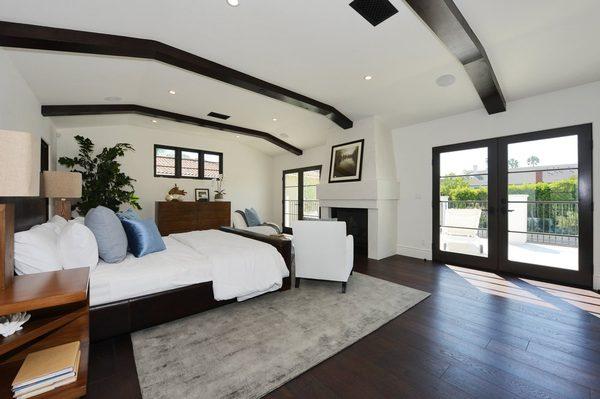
(75,41)
(115,109)
(448,23)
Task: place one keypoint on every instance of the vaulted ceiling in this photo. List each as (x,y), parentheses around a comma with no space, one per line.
(321,49)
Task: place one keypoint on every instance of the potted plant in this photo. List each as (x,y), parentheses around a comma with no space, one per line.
(103,182)
(219,191)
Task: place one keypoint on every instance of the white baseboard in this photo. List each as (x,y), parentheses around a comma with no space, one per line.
(597,282)
(413,252)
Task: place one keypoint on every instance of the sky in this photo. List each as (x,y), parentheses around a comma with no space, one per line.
(556,151)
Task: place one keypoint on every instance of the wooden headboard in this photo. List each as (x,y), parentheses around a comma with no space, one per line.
(28,211)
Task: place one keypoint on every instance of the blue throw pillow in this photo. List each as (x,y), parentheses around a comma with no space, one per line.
(109,233)
(143,236)
(252,217)
(128,214)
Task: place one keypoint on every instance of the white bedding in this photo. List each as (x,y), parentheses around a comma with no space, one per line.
(241,268)
(266,230)
(176,267)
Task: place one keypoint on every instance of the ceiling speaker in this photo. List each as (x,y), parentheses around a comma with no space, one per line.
(374,11)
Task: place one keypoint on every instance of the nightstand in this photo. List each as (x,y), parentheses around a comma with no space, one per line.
(59,308)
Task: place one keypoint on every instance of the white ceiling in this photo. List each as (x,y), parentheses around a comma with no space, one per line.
(318,48)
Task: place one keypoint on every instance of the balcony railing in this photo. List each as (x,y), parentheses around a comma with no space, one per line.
(290,210)
(544,222)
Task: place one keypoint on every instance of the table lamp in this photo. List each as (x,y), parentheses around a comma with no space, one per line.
(62,186)
(18,178)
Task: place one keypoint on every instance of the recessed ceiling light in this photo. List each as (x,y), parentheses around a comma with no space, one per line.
(233,3)
(445,80)
(171,91)
(154,121)
(274,119)
(237,137)
(113,98)
(368,77)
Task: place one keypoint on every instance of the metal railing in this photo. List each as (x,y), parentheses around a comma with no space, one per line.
(290,210)
(547,222)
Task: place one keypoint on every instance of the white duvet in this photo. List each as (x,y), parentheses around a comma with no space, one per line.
(178,266)
(240,267)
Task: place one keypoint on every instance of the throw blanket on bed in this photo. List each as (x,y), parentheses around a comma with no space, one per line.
(241,268)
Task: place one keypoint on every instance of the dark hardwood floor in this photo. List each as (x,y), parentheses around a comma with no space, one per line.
(479,335)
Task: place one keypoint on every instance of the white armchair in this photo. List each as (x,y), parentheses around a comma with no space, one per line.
(323,251)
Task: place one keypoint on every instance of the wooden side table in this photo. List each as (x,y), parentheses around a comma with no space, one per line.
(59,308)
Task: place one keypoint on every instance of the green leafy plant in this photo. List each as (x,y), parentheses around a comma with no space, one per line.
(103,182)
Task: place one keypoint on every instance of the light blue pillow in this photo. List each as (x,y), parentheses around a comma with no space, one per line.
(109,233)
(144,237)
(252,217)
(128,214)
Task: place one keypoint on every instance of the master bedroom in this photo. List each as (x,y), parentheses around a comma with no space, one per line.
(300,199)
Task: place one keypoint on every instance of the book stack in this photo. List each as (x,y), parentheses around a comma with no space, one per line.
(46,370)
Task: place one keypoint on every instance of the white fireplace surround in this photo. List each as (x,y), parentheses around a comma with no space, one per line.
(377,191)
(379,197)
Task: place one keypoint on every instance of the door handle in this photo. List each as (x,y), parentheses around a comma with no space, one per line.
(505,210)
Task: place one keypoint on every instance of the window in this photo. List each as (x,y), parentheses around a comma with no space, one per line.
(186,163)
(300,200)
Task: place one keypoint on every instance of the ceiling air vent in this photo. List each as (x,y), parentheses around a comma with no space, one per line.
(218,115)
(374,11)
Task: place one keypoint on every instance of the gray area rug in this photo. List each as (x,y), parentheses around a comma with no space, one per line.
(245,350)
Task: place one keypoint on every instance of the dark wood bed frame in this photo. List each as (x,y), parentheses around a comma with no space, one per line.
(122,317)
(135,314)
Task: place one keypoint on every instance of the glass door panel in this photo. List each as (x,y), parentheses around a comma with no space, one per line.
(290,198)
(310,202)
(463,201)
(464,204)
(542,185)
(545,194)
(300,199)
(543,202)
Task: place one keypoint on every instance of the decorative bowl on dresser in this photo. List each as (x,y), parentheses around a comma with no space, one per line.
(181,217)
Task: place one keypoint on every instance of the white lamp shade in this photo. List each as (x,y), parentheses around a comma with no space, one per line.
(19,167)
(61,184)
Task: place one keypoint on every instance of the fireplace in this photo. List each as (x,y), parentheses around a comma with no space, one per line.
(357,224)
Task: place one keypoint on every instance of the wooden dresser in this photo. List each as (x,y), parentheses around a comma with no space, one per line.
(180,217)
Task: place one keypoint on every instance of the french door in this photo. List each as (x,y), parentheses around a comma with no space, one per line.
(520,204)
(300,200)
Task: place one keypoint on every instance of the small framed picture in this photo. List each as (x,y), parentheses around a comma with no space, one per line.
(346,162)
(202,194)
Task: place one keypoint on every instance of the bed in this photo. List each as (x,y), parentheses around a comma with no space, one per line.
(134,295)
(181,296)
(238,268)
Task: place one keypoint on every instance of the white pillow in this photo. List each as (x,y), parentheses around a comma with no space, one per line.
(77,247)
(78,219)
(36,250)
(56,222)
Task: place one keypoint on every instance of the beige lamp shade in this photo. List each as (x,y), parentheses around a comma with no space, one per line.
(19,154)
(61,184)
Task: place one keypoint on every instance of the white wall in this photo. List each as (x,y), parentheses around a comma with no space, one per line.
(20,110)
(413,144)
(247,171)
